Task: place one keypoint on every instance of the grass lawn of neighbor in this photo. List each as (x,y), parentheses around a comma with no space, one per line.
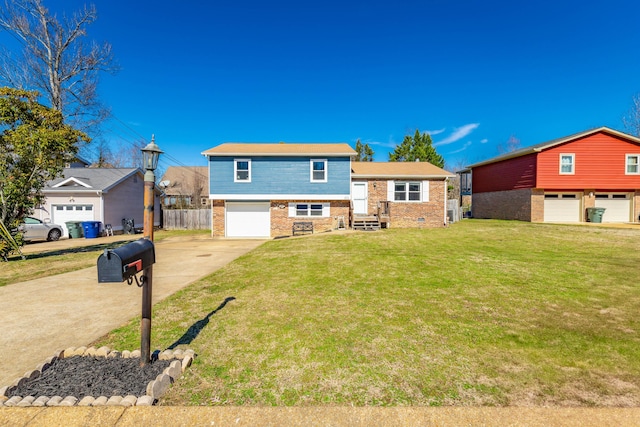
(41,261)
(480,313)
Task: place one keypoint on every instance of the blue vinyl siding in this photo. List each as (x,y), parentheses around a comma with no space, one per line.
(280,175)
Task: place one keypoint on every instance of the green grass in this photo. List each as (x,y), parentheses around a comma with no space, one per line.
(47,262)
(481,313)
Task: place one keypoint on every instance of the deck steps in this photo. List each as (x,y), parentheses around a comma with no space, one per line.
(366,223)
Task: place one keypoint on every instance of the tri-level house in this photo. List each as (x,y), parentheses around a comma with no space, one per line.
(262,190)
(556,181)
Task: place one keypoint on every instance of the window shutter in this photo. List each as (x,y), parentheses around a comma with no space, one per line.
(292,209)
(390,190)
(425,191)
(326,210)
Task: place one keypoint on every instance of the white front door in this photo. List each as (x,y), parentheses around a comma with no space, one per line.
(359,197)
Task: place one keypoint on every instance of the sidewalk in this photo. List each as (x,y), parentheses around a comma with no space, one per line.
(41,316)
(318,416)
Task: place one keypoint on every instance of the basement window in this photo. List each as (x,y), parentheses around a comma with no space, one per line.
(309,210)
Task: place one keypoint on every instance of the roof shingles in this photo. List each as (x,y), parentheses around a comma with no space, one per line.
(397,170)
(268,149)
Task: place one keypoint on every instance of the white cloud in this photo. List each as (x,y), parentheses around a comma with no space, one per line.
(464,147)
(458,134)
(484,141)
(435,132)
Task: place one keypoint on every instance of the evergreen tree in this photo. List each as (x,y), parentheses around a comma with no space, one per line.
(365,153)
(417,148)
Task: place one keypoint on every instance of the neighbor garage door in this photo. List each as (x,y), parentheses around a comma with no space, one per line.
(64,213)
(561,208)
(248,219)
(618,207)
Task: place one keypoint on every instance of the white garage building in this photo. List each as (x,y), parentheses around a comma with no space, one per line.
(107,195)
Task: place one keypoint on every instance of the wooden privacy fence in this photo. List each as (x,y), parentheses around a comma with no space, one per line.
(186,219)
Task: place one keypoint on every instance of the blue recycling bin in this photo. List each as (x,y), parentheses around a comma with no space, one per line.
(91,229)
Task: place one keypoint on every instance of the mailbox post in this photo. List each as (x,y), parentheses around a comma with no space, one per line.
(150,155)
(125,262)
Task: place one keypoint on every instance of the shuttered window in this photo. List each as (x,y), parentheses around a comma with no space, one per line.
(309,209)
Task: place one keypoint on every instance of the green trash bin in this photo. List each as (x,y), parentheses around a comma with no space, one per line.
(595,214)
(75,229)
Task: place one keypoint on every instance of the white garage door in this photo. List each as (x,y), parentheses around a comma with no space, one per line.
(248,219)
(561,208)
(64,213)
(618,207)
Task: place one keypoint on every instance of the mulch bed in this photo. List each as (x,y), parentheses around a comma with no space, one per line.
(95,376)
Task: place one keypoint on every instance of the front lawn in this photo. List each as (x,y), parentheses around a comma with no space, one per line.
(481,313)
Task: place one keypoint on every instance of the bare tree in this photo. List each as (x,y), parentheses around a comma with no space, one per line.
(631,120)
(198,182)
(512,144)
(56,60)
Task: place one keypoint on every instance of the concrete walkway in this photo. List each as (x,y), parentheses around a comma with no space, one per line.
(41,316)
(317,416)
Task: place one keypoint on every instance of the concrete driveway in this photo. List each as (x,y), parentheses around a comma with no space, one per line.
(41,316)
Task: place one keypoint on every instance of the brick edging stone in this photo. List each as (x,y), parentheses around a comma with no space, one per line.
(155,388)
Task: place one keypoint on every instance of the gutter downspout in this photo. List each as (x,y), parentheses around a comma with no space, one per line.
(101,195)
(446,181)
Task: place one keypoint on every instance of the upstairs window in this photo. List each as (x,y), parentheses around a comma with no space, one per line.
(567,164)
(318,170)
(407,191)
(242,170)
(633,164)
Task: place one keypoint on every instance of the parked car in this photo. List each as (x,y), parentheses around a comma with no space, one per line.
(34,229)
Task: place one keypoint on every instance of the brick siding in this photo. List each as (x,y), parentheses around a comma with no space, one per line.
(537,205)
(217,218)
(511,204)
(282,224)
(409,215)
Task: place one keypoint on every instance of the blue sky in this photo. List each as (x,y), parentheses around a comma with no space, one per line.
(472,73)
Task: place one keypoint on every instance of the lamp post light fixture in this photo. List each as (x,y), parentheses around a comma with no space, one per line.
(150,155)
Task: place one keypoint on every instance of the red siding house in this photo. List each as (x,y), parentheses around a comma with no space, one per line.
(557,181)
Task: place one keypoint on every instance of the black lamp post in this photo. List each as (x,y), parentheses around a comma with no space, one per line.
(150,155)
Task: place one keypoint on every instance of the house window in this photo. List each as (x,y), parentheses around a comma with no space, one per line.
(318,170)
(567,162)
(407,191)
(633,164)
(242,170)
(309,209)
